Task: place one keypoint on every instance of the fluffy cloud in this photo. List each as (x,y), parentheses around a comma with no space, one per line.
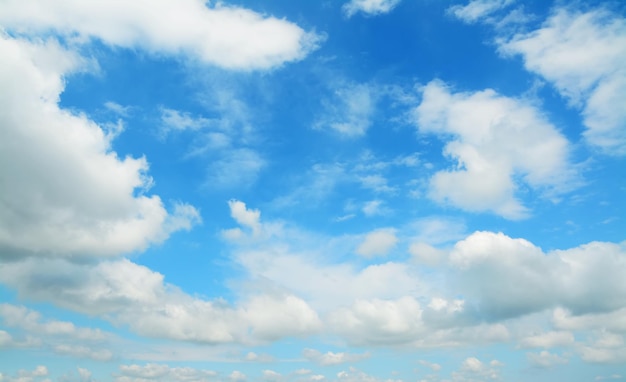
(377,243)
(603,346)
(27,375)
(324,285)
(230,37)
(31,321)
(546,359)
(473,369)
(293,260)
(330,358)
(379,321)
(132,295)
(61,337)
(510,277)
(161,372)
(79,351)
(271,375)
(583,55)
(63,191)
(548,340)
(369,7)
(497,142)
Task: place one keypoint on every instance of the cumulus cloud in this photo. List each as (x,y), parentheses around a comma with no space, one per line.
(546,359)
(132,295)
(237,376)
(473,369)
(32,322)
(271,375)
(582,54)
(377,243)
(227,36)
(379,321)
(548,340)
(327,285)
(497,142)
(331,358)
(63,191)
(369,7)
(27,375)
(510,277)
(79,351)
(162,372)
(611,320)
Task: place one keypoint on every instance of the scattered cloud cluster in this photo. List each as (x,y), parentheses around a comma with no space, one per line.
(369,7)
(496,143)
(582,54)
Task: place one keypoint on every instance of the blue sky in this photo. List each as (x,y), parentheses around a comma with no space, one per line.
(363,190)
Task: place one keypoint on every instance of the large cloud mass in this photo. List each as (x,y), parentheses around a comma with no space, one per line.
(230,37)
(63,191)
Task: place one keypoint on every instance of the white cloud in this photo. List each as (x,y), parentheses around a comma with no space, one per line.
(255,357)
(31,321)
(603,378)
(477,10)
(27,375)
(246,217)
(378,321)
(497,142)
(175,120)
(548,340)
(437,230)
(374,208)
(473,369)
(331,358)
(377,243)
(80,351)
(116,108)
(230,37)
(510,277)
(64,192)
(7,341)
(323,285)
(161,372)
(132,295)
(432,366)
(369,7)
(236,168)
(237,376)
(546,359)
(271,375)
(426,254)
(349,111)
(612,320)
(583,55)
(376,182)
